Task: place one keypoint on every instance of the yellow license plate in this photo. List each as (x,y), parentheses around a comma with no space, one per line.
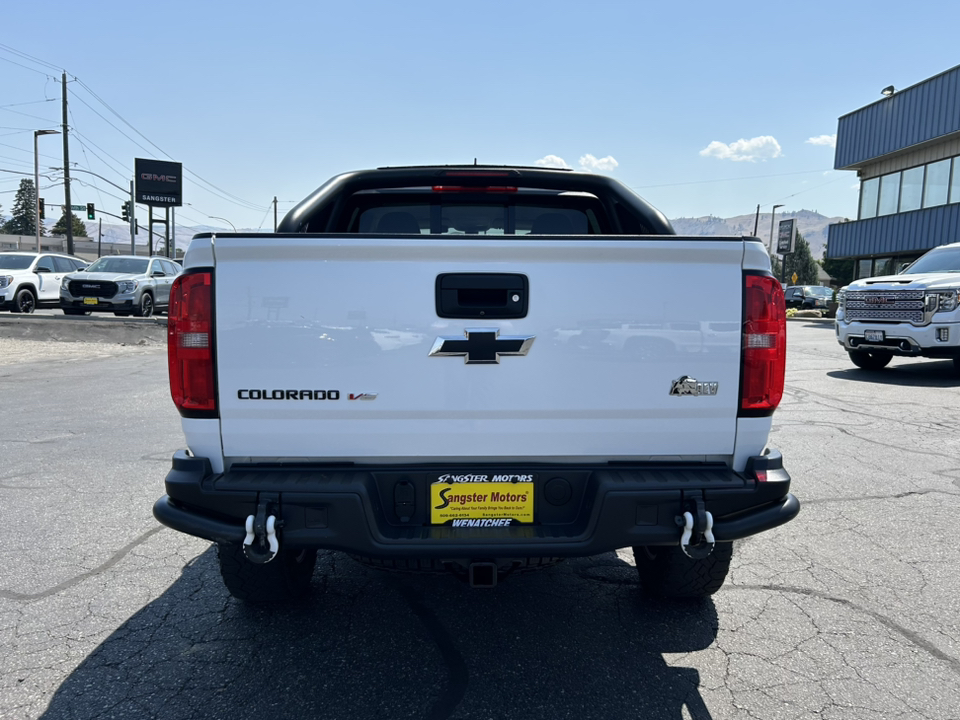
(481,504)
(89,301)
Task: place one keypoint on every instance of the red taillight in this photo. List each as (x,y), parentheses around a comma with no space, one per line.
(190,345)
(764,345)
(476,189)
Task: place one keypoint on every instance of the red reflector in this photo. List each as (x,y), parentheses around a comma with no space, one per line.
(468,189)
(764,344)
(761,475)
(190,345)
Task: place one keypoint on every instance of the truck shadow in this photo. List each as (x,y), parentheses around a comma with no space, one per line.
(932,373)
(572,641)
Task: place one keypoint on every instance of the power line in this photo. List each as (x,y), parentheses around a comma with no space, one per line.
(228,195)
(39,72)
(32,102)
(125,173)
(25,56)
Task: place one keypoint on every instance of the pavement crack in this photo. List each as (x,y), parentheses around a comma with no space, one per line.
(109,563)
(913,637)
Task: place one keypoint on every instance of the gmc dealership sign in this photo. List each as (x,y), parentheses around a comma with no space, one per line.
(159,182)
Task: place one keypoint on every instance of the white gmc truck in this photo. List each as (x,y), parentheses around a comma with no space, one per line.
(476,368)
(913,314)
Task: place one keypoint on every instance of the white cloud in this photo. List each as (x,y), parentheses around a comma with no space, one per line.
(551,161)
(764,147)
(591,164)
(828,140)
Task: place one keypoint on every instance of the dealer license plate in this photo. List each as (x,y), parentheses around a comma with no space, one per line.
(483,500)
(873,336)
(89,301)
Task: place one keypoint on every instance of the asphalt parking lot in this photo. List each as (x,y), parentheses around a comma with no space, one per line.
(850,611)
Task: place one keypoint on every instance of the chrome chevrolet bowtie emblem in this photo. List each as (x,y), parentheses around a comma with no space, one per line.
(482,346)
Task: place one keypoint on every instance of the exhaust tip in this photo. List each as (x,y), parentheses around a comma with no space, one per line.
(482,574)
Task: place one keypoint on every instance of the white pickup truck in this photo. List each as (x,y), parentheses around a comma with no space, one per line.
(476,368)
(913,314)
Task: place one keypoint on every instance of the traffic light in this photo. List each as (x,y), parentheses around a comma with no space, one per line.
(91,215)
(125,211)
(43,215)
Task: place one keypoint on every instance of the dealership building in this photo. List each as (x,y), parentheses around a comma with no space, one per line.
(906,150)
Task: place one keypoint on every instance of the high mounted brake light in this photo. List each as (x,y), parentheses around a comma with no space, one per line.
(190,345)
(476,173)
(764,346)
(468,189)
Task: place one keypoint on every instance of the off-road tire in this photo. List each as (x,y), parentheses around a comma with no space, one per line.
(24,301)
(666,572)
(145,308)
(283,580)
(870,360)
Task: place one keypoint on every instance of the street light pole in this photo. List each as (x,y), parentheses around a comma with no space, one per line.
(214,217)
(36,181)
(772,213)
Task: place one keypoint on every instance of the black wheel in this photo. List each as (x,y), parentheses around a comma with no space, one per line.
(75,311)
(145,308)
(285,579)
(24,301)
(956,365)
(869,360)
(666,572)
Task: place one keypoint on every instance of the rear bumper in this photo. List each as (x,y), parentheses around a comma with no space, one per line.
(355,509)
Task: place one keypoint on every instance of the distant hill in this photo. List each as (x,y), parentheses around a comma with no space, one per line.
(812,225)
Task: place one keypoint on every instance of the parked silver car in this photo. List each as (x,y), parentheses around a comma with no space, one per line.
(121,284)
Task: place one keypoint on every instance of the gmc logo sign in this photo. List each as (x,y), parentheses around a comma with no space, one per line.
(158,178)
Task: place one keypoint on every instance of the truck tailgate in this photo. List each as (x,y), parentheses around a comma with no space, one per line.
(323,347)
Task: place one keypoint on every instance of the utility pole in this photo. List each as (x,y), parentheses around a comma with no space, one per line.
(66,171)
(274,213)
(133,221)
(99,236)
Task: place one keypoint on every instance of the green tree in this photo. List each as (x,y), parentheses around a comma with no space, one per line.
(24,211)
(79,229)
(802,263)
(840,269)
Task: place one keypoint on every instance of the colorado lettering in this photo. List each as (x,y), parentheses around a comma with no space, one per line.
(247,394)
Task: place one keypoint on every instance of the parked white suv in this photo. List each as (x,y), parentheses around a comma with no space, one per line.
(29,280)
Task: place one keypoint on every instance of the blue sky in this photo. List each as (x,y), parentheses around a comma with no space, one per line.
(265,100)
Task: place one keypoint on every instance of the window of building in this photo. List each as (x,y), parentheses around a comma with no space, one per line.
(864,268)
(911,189)
(869,191)
(936,184)
(955,182)
(889,194)
(883,266)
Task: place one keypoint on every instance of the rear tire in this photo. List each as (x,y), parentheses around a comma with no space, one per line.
(285,579)
(666,572)
(869,360)
(24,301)
(75,311)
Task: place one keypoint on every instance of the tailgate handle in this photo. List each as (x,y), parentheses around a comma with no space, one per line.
(482,295)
